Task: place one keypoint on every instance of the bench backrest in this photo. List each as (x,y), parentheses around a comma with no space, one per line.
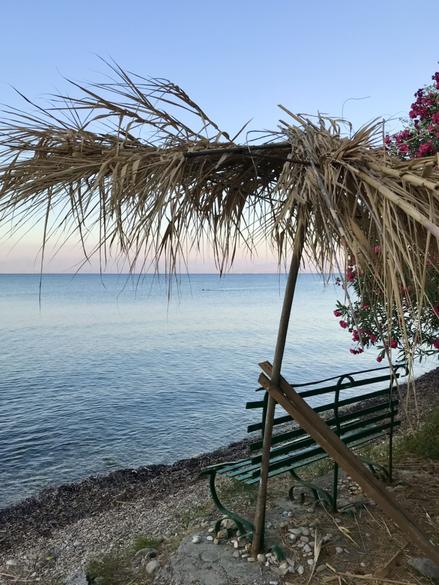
(357,406)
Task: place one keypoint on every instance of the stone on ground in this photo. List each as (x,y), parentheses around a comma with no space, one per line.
(207,564)
(426,567)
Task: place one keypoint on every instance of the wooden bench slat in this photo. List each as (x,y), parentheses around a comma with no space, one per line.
(345,386)
(306,462)
(325,407)
(354,424)
(298,431)
(346,439)
(307,449)
(255,404)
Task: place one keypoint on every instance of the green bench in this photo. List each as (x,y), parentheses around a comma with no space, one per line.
(354,405)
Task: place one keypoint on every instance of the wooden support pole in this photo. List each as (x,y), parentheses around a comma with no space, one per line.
(299,240)
(310,421)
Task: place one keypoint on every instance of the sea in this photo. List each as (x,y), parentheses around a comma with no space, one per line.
(102,372)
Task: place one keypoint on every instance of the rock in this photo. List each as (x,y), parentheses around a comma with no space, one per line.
(211,530)
(236,554)
(338,550)
(196,539)
(426,567)
(292,537)
(209,538)
(320,568)
(78,578)
(216,541)
(251,559)
(147,553)
(144,555)
(310,562)
(306,531)
(306,548)
(227,523)
(261,558)
(222,534)
(300,569)
(283,524)
(284,568)
(152,566)
(11,563)
(296,531)
(304,539)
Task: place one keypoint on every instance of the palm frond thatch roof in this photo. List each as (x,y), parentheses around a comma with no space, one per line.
(124,159)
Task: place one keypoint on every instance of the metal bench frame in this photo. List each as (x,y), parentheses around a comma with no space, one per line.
(358,419)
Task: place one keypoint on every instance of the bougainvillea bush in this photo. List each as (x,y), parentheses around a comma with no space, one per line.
(420,137)
(365,316)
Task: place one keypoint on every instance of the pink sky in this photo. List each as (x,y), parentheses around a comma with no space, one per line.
(23,255)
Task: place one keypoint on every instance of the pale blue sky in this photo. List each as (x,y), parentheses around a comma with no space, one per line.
(238,59)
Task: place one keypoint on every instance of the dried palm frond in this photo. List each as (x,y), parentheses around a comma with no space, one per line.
(124,158)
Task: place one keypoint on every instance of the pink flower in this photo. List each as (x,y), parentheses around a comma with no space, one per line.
(377,249)
(373,338)
(393,343)
(436,344)
(350,275)
(343,324)
(425,149)
(379,358)
(337,313)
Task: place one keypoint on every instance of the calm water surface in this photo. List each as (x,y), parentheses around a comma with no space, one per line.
(107,374)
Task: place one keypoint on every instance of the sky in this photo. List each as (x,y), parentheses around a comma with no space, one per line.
(238,59)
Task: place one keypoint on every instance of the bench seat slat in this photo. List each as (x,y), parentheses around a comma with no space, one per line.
(305,462)
(354,424)
(250,469)
(347,439)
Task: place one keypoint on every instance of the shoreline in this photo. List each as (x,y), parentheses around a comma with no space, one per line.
(59,506)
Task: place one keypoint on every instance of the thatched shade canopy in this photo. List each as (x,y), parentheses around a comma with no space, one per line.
(124,163)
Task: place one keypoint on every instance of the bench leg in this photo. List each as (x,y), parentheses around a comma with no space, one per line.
(244,526)
(320,495)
